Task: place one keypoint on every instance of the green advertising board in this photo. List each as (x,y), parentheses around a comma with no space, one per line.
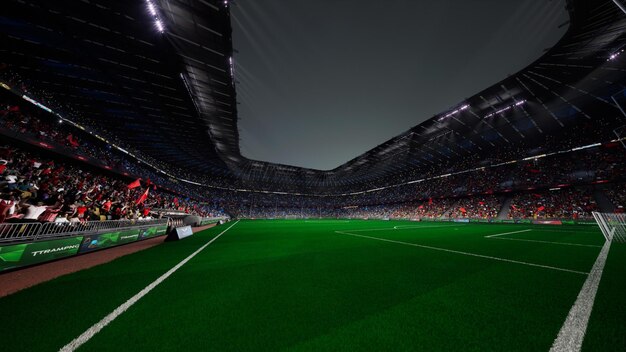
(106,240)
(152,232)
(18,255)
(14,256)
(110,239)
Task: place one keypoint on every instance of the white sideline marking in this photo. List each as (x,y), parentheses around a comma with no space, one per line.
(550,242)
(89,333)
(572,333)
(507,233)
(465,253)
(403,228)
(496,237)
(406,227)
(325,221)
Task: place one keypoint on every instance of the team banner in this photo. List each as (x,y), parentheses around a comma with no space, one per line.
(37,252)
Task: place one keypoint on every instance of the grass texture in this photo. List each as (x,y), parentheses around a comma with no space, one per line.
(318,285)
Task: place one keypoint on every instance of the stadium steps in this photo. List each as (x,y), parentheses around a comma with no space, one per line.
(604,203)
(506,207)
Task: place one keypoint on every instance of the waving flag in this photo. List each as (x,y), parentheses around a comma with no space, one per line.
(135,184)
(143,197)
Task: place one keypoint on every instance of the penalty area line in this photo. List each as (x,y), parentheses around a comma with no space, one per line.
(549,242)
(465,253)
(497,237)
(507,233)
(94,329)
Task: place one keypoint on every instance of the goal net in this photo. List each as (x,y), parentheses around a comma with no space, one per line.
(613,226)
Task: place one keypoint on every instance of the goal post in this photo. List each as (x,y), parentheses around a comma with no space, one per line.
(613,226)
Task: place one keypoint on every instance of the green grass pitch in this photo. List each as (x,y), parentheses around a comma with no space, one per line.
(323,285)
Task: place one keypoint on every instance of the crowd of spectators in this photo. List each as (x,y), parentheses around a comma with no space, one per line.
(34,188)
(30,184)
(571,203)
(617,196)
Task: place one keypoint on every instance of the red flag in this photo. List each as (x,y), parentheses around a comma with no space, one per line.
(513,207)
(541,208)
(421,207)
(481,203)
(463,210)
(135,184)
(143,197)
(146,211)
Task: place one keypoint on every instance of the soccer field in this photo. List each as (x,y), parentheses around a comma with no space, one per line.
(332,285)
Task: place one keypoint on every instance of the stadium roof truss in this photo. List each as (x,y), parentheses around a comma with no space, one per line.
(157,76)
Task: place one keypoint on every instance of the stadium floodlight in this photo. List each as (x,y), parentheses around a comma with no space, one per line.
(159,25)
(521,102)
(152,9)
(454,112)
(155,15)
(612,225)
(615,55)
(232,67)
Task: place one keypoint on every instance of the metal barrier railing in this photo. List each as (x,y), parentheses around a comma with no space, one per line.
(19,231)
(175,222)
(13,232)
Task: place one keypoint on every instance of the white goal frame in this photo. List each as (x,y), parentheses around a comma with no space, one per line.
(612,225)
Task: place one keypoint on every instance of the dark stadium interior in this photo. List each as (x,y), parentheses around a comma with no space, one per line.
(124,114)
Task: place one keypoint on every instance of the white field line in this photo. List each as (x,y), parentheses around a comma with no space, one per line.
(506,233)
(569,231)
(497,237)
(572,333)
(325,221)
(464,253)
(549,242)
(403,228)
(89,333)
(406,227)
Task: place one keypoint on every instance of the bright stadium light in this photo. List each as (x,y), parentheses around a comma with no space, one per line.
(454,112)
(615,55)
(232,67)
(155,15)
(521,102)
(159,25)
(152,9)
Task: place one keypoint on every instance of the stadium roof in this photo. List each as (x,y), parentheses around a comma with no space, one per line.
(156,76)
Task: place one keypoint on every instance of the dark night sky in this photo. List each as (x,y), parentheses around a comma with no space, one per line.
(323,81)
